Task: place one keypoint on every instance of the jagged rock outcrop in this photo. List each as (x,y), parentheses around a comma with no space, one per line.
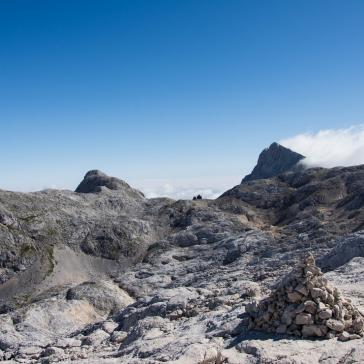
(94,180)
(305,304)
(273,161)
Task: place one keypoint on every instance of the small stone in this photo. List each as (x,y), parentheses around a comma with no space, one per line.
(344,336)
(109,326)
(337,312)
(68,343)
(310,307)
(316,292)
(325,314)
(337,293)
(118,336)
(52,350)
(348,324)
(358,325)
(330,299)
(313,270)
(304,319)
(302,289)
(95,338)
(310,260)
(313,330)
(288,314)
(294,297)
(354,337)
(335,325)
(30,351)
(300,308)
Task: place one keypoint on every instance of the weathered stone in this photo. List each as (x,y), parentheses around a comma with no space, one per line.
(357,325)
(294,297)
(95,338)
(313,330)
(330,299)
(52,350)
(109,326)
(68,343)
(310,307)
(313,270)
(344,336)
(337,312)
(335,325)
(118,336)
(316,292)
(288,315)
(300,288)
(325,314)
(304,319)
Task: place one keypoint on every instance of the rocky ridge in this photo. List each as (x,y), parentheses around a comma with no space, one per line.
(105,275)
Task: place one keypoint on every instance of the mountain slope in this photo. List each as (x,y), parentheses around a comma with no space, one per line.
(104,275)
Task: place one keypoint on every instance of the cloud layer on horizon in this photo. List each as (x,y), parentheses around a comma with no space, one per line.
(330,148)
(180,192)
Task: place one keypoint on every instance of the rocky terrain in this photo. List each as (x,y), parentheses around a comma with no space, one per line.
(105,275)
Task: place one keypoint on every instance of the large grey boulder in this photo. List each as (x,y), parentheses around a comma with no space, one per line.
(104,296)
(345,249)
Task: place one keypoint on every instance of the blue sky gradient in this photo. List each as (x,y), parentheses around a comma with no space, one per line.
(179,92)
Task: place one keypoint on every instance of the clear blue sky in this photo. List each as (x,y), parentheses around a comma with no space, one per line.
(184,92)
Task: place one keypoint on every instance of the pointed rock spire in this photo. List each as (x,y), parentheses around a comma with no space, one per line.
(273,161)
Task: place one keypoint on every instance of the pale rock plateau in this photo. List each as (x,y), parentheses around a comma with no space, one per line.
(105,275)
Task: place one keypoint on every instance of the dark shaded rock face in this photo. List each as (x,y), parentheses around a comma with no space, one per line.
(273,161)
(94,180)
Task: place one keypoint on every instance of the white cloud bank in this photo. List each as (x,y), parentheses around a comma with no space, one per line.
(331,147)
(180,192)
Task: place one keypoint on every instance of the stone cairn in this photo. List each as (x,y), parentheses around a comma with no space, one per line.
(305,304)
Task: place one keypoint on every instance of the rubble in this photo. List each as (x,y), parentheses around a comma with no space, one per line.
(305,304)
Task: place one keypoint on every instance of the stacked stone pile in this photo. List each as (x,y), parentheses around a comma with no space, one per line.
(306,304)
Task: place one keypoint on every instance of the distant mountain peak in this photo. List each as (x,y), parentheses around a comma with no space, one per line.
(94,180)
(273,161)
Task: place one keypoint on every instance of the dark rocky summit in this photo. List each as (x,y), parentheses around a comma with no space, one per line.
(94,181)
(104,275)
(273,161)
